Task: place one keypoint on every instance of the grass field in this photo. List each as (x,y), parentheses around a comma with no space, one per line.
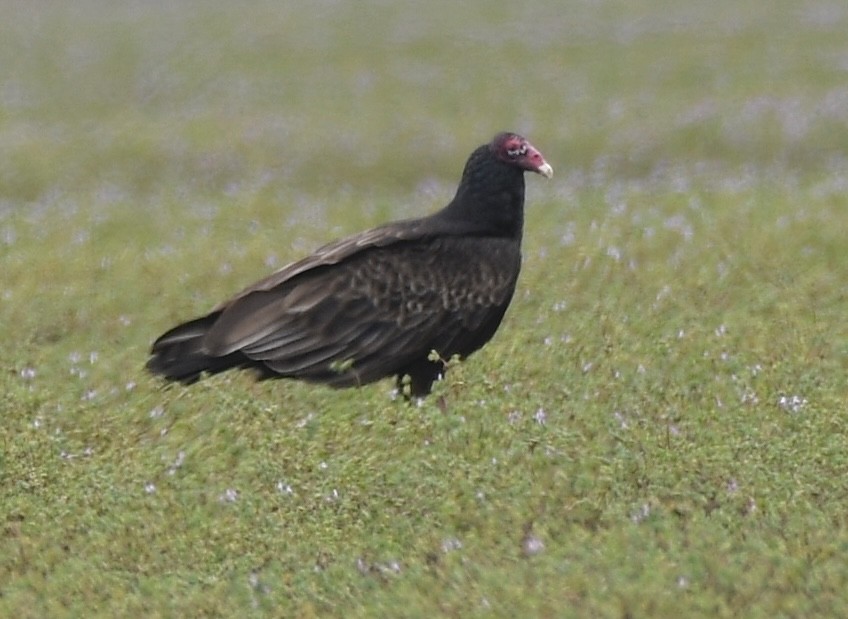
(659,429)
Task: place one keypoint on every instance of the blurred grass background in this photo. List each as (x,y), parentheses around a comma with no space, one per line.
(657,430)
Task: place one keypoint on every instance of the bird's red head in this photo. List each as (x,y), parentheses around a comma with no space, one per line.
(515,150)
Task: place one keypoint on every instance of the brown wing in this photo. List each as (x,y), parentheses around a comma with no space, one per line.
(338,251)
(348,315)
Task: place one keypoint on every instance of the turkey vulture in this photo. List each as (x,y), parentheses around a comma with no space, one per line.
(377,303)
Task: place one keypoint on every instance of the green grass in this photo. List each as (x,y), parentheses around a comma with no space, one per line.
(659,427)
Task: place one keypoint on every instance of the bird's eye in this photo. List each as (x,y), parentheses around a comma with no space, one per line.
(515,152)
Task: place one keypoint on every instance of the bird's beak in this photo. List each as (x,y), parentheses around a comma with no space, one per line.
(534,161)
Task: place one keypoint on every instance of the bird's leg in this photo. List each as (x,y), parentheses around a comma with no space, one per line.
(416,380)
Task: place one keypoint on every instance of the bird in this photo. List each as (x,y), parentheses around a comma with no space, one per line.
(394,301)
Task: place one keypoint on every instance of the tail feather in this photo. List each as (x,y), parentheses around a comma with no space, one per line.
(178,355)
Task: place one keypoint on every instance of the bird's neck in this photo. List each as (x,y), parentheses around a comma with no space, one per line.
(491,199)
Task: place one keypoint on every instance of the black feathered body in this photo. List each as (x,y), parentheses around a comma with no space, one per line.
(374,304)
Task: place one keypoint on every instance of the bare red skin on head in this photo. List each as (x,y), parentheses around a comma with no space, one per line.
(515,150)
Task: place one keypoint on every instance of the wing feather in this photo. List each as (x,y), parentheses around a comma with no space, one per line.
(354,316)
